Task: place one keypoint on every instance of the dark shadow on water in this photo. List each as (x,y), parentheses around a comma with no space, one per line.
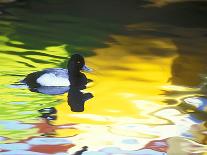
(189,67)
(85,26)
(31,53)
(186,13)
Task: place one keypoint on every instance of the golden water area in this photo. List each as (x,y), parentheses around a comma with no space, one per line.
(148,82)
(129,90)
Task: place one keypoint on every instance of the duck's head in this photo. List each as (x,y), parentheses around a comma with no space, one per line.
(77,63)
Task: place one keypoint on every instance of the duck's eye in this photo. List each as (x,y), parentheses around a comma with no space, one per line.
(78,62)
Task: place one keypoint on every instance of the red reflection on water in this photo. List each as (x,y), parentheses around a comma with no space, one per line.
(158,145)
(44,126)
(51,148)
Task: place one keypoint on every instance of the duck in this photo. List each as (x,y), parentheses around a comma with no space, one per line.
(57,77)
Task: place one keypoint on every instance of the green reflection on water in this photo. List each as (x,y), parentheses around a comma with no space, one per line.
(34,41)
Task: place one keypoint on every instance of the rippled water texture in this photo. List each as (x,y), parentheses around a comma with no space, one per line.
(148,80)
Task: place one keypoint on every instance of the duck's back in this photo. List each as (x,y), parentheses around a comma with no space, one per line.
(48,77)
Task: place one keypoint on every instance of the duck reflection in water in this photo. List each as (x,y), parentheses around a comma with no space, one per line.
(48,113)
(76,98)
(77,83)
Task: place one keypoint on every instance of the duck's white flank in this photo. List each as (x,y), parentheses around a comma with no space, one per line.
(49,79)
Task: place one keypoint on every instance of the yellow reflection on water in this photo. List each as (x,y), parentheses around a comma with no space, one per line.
(127,82)
(130,79)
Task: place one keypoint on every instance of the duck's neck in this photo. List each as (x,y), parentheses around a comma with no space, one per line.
(74,76)
(73,72)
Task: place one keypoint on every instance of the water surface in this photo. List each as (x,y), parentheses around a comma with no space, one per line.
(148,79)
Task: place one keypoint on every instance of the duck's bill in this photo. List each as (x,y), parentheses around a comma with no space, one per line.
(87,69)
